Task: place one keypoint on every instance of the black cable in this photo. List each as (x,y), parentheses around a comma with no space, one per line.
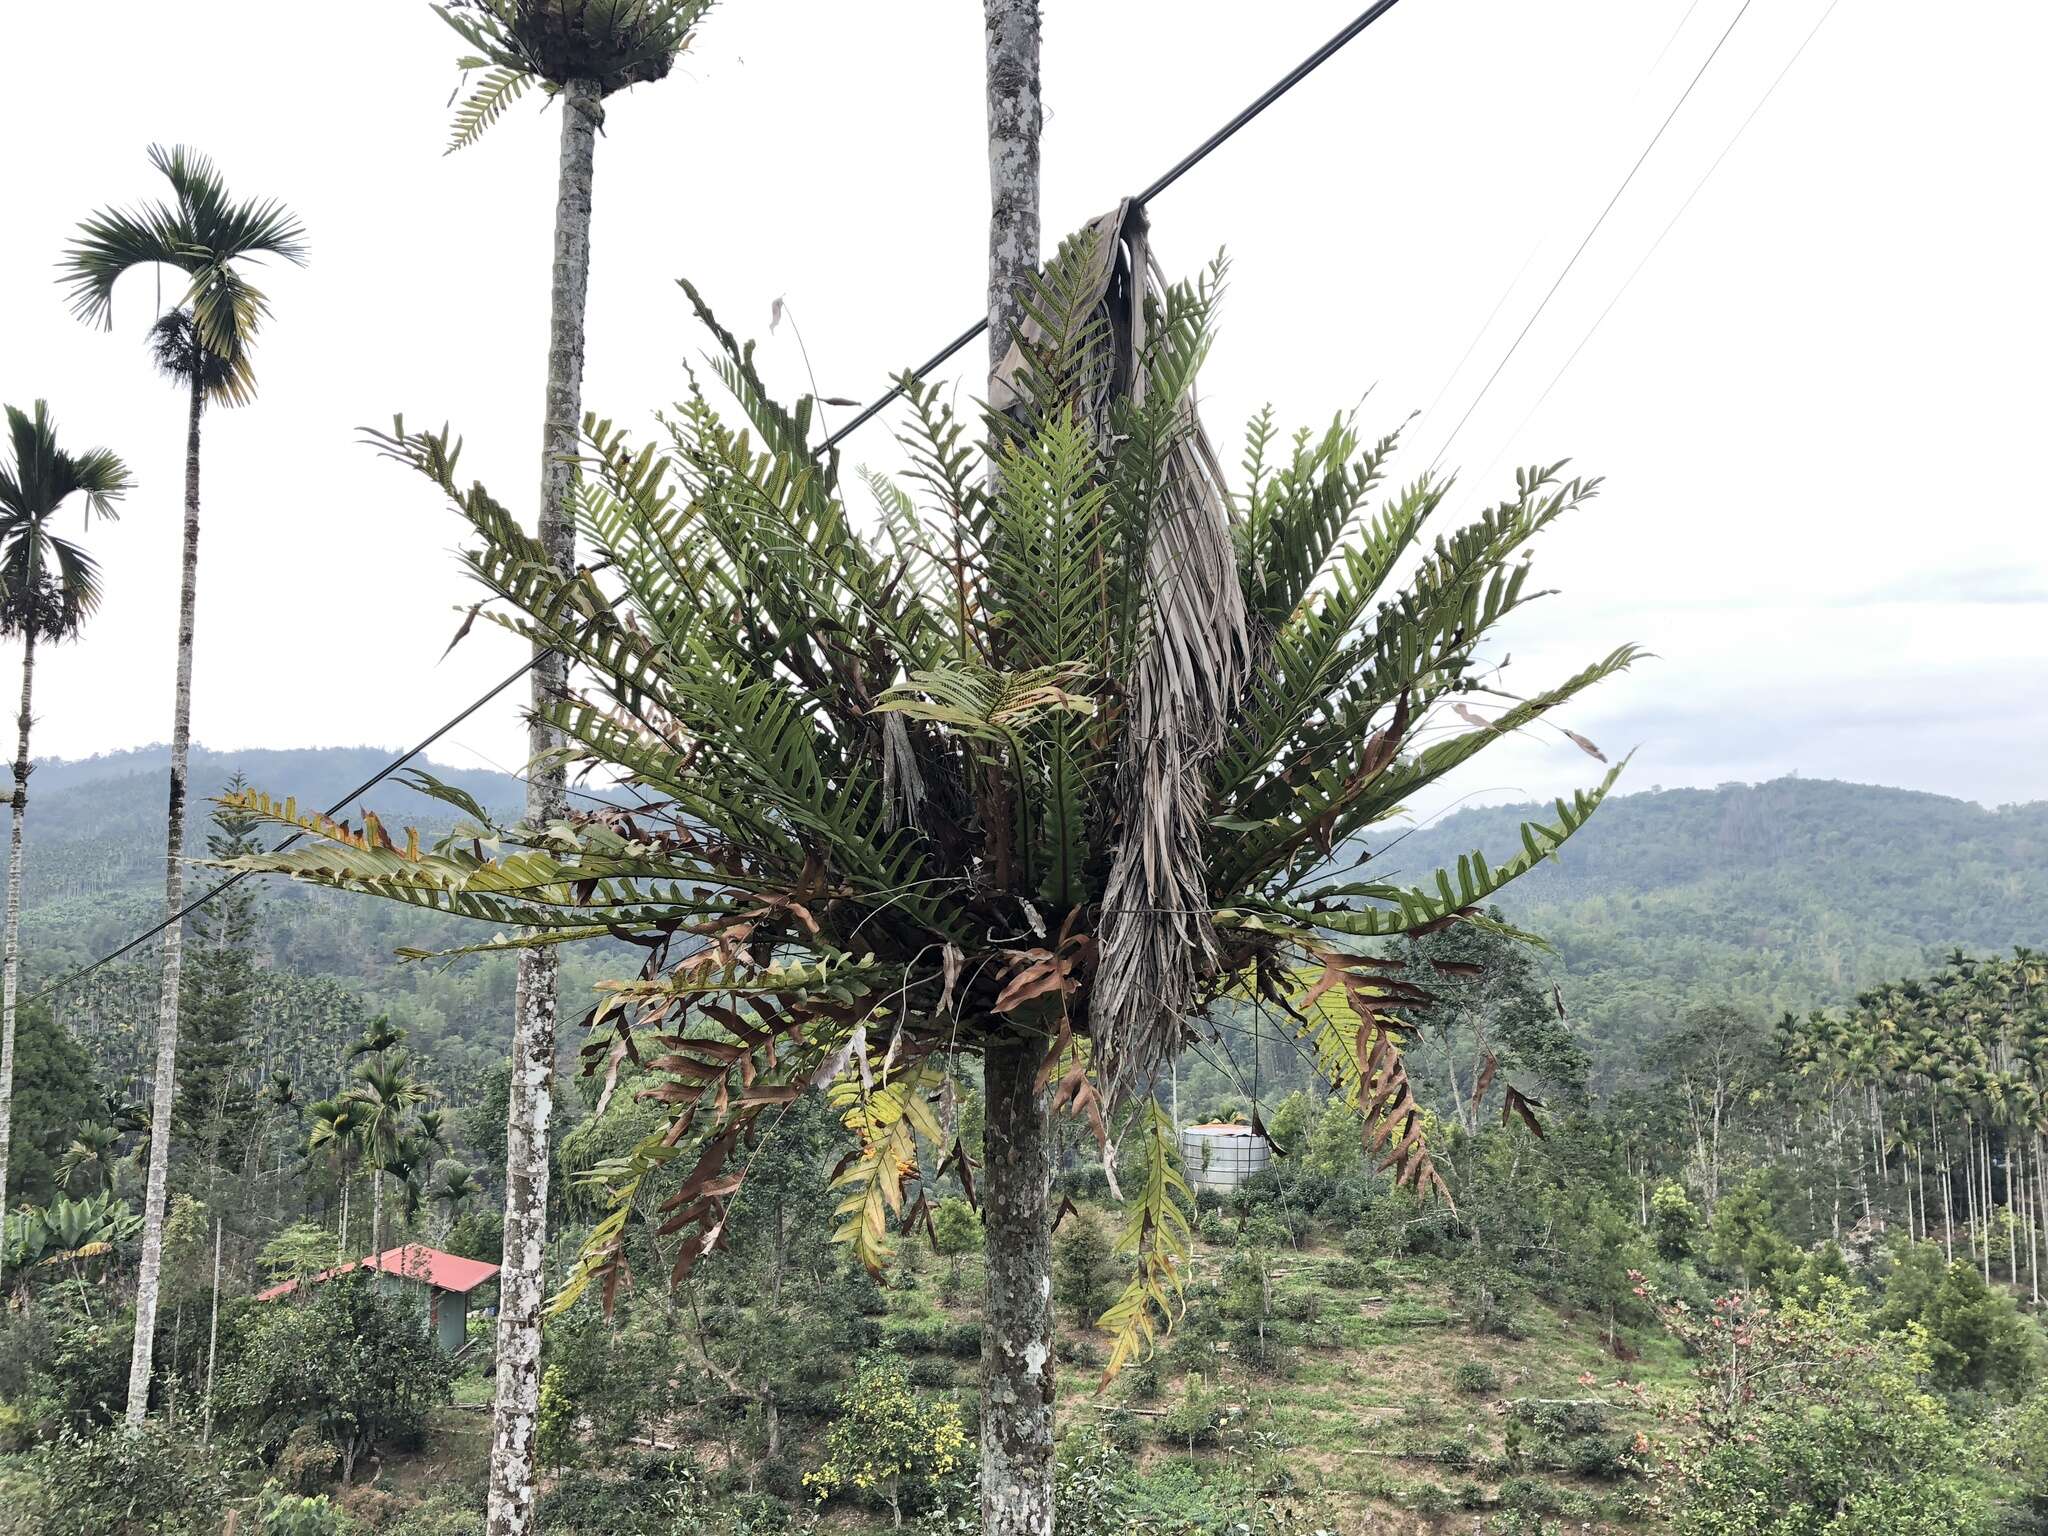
(332,811)
(1544,302)
(1272,94)
(1188,162)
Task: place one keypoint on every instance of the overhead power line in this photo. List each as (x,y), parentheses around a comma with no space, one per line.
(1193,158)
(1698,187)
(331,812)
(1188,162)
(1551,292)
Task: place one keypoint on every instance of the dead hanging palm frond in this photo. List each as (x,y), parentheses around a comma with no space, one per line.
(1132,382)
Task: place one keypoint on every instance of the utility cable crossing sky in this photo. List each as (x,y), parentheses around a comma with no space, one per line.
(1308,66)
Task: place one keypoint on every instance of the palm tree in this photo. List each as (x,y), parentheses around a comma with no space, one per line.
(49,586)
(90,1159)
(384,1093)
(453,1187)
(337,1131)
(578,52)
(205,344)
(1016,1435)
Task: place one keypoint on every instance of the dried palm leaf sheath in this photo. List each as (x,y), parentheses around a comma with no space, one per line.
(1154,937)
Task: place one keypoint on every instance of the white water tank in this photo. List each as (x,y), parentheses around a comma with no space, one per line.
(1221,1155)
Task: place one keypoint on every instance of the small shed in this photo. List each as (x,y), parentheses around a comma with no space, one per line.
(442,1280)
(1222,1154)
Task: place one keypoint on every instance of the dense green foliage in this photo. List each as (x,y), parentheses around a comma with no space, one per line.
(1768,897)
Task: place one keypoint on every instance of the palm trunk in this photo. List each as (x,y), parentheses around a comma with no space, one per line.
(10,981)
(1017,1367)
(376,1210)
(516,1408)
(212,1336)
(166,1086)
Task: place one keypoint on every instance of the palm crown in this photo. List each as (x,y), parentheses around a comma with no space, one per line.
(613,44)
(49,585)
(205,234)
(1072,749)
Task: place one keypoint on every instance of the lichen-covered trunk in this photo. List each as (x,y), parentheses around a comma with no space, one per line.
(165,1091)
(1016,1347)
(10,968)
(516,1409)
(1014,118)
(1016,1339)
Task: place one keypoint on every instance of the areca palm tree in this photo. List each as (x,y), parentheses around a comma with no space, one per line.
(337,1131)
(1074,749)
(205,344)
(453,1187)
(49,587)
(385,1093)
(90,1160)
(578,52)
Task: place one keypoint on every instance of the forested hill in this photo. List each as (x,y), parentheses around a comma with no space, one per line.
(118,800)
(1772,896)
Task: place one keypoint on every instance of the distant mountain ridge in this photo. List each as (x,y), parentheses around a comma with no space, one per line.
(1785,895)
(1778,896)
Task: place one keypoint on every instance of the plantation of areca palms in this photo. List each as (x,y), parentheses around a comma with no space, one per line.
(1071,747)
(1936,1088)
(49,587)
(205,344)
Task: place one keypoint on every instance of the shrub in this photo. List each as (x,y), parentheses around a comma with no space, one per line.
(1474,1376)
(1092,1485)
(121,1483)
(1141,1381)
(1344,1274)
(1084,1269)
(554,1432)
(955,1231)
(1560,1419)
(306,1463)
(1124,1431)
(353,1364)
(1073,1349)
(282,1513)
(1193,1421)
(1488,1298)
(1454,1451)
(1420,1410)
(888,1439)
(1431,1499)
(931,1371)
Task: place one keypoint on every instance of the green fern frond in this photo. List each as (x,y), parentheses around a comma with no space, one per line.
(1158,1239)
(494,94)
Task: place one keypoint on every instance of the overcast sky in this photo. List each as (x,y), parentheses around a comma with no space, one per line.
(1817,407)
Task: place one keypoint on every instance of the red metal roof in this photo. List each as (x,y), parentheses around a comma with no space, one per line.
(415,1261)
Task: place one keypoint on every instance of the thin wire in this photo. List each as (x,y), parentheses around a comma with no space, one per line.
(1272,94)
(332,811)
(1188,162)
(1544,303)
(1698,187)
